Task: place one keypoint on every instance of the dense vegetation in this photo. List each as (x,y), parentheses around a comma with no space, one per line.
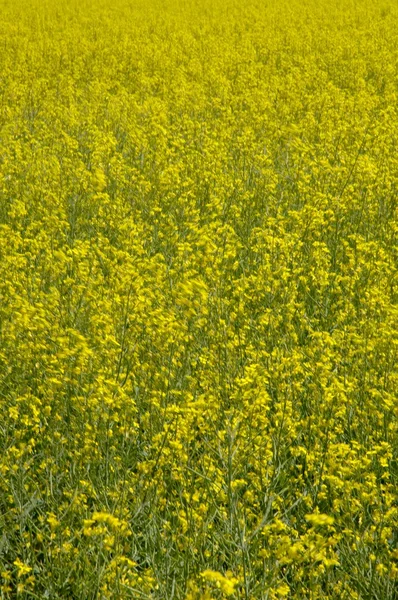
(198,299)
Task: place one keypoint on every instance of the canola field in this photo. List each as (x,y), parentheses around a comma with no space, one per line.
(198,299)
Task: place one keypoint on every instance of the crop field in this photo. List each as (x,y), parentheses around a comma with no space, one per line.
(198,299)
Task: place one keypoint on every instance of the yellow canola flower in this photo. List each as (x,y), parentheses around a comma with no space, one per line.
(225,584)
(52,521)
(23,569)
(282,590)
(319,519)
(99,180)
(108,519)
